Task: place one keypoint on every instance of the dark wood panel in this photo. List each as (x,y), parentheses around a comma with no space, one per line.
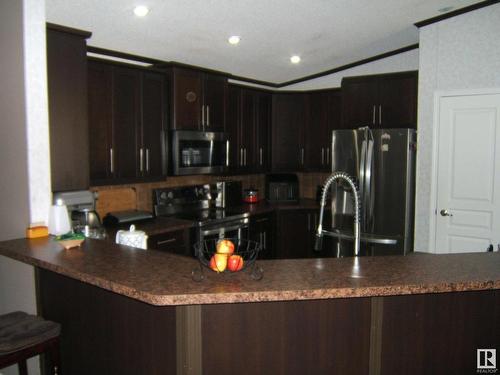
(153,124)
(247,130)
(215,96)
(263,137)
(67,93)
(105,333)
(232,127)
(100,107)
(293,234)
(438,333)
(126,117)
(306,337)
(187,99)
(316,134)
(359,102)
(289,118)
(398,101)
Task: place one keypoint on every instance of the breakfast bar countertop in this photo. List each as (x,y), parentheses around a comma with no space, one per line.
(161,279)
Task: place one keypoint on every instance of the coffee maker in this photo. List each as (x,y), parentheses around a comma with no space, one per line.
(81,210)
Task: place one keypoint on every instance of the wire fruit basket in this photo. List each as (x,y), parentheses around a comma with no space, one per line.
(227,256)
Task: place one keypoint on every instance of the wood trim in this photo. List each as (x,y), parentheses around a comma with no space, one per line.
(351,65)
(455,13)
(158,64)
(189,343)
(69,30)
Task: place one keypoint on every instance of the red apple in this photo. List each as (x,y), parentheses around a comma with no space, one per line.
(235,263)
(218,262)
(225,247)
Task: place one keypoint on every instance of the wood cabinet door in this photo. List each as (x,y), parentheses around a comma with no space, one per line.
(100,112)
(262,231)
(316,133)
(359,102)
(398,100)
(247,130)
(215,96)
(289,116)
(187,99)
(263,130)
(126,123)
(68,126)
(232,127)
(334,123)
(293,234)
(153,125)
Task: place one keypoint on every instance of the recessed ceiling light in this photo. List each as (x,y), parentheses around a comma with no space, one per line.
(295,59)
(235,39)
(445,9)
(141,10)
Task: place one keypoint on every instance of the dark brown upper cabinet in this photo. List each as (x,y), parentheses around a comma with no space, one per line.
(67,93)
(248,127)
(199,100)
(324,117)
(382,101)
(290,115)
(127,116)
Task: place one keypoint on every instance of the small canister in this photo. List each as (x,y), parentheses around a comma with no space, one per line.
(251,195)
(132,237)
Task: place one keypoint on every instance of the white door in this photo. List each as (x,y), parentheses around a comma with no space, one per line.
(468,181)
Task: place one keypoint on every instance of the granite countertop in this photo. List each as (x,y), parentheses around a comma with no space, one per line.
(160,278)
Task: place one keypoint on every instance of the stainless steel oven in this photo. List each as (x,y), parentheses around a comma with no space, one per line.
(197,152)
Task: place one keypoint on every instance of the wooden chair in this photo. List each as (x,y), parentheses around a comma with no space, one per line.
(23,336)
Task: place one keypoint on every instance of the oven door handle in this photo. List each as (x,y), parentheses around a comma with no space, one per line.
(225,229)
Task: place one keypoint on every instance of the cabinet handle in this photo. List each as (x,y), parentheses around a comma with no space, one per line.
(380,114)
(373,114)
(111,161)
(241,156)
(322,155)
(227,153)
(203,116)
(308,222)
(302,155)
(141,159)
(260,156)
(245,155)
(147,160)
(166,241)
(208,116)
(265,240)
(260,239)
(328,156)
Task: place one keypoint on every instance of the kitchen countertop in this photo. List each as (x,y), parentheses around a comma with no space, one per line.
(160,278)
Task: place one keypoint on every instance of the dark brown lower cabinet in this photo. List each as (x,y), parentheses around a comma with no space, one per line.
(177,241)
(106,333)
(262,231)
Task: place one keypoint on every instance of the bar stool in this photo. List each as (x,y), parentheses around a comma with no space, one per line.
(23,336)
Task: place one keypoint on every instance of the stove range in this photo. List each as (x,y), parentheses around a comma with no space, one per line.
(205,206)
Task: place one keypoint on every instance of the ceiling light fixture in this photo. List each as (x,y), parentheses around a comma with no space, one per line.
(295,59)
(141,10)
(235,39)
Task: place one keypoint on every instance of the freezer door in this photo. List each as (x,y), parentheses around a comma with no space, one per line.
(391,191)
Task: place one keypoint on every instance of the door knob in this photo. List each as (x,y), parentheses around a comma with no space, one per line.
(445,213)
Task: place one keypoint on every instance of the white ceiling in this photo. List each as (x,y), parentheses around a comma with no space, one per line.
(325,33)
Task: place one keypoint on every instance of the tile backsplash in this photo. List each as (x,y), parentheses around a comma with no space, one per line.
(113,196)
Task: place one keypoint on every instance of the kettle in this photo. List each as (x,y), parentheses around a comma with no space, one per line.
(132,237)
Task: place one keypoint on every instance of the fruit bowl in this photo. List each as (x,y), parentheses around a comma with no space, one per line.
(227,256)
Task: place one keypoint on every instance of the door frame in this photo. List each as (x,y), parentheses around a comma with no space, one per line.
(438,95)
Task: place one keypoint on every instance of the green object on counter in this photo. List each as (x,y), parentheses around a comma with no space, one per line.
(70,236)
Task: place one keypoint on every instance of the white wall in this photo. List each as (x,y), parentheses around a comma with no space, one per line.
(458,53)
(24,151)
(397,63)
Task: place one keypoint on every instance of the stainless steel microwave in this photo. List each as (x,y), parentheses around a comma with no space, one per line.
(198,152)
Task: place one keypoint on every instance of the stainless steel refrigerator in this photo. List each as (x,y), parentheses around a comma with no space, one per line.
(383,163)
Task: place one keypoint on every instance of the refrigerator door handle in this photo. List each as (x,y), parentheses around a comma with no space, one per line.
(368,198)
(362,176)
